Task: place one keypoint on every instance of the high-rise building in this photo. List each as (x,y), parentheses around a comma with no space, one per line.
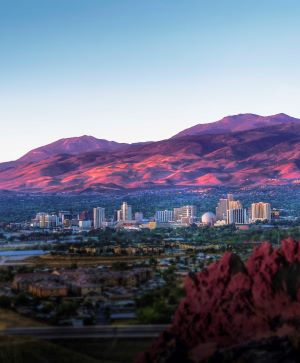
(237,216)
(230,197)
(164,216)
(40,220)
(186,213)
(65,217)
(46,220)
(226,204)
(85,224)
(234,204)
(85,215)
(221,210)
(119,215)
(99,217)
(260,211)
(125,213)
(138,216)
(51,220)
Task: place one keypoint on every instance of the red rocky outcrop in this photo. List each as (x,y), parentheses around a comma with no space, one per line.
(230,303)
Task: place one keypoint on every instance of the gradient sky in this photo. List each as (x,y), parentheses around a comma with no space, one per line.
(135,70)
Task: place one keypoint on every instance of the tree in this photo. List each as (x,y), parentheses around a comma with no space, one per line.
(119,266)
(5,301)
(21,299)
(153,261)
(67,308)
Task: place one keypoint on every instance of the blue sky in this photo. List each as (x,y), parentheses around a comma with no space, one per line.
(135,70)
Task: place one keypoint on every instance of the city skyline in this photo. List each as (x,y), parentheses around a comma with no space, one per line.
(107,68)
(228,211)
(149,181)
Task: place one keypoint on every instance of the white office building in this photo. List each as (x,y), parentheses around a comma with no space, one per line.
(237,216)
(99,217)
(164,216)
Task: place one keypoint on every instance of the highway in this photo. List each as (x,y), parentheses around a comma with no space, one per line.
(97,331)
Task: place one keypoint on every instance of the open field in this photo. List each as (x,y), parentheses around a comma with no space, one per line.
(9,318)
(20,350)
(24,350)
(110,351)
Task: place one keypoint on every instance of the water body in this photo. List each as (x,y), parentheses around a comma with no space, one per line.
(25,253)
(12,257)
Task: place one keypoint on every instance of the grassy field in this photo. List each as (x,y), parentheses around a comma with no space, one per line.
(110,351)
(20,350)
(9,318)
(24,350)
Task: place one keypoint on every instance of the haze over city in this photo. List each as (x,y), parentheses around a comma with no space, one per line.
(141,70)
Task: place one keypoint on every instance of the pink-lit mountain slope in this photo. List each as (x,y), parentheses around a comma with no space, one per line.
(73,146)
(269,155)
(236,123)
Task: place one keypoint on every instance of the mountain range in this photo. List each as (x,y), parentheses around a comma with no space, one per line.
(240,150)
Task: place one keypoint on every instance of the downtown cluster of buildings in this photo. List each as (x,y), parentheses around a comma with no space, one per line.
(123,217)
(228,211)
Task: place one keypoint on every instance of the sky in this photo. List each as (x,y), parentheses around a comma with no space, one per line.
(137,70)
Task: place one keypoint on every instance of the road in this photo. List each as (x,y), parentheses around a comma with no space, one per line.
(97,331)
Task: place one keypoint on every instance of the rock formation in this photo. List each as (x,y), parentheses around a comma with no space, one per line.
(232,303)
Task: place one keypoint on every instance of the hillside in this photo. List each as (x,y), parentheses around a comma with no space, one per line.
(235,123)
(269,155)
(72,146)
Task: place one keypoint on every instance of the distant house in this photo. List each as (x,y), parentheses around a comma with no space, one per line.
(48,289)
(79,282)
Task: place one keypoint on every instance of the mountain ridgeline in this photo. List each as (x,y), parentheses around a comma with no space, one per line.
(241,150)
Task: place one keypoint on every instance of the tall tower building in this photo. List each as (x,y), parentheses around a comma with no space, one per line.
(99,217)
(64,216)
(260,211)
(234,204)
(187,212)
(221,210)
(119,215)
(125,213)
(225,205)
(230,197)
(51,220)
(164,216)
(237,216)
(41,219)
